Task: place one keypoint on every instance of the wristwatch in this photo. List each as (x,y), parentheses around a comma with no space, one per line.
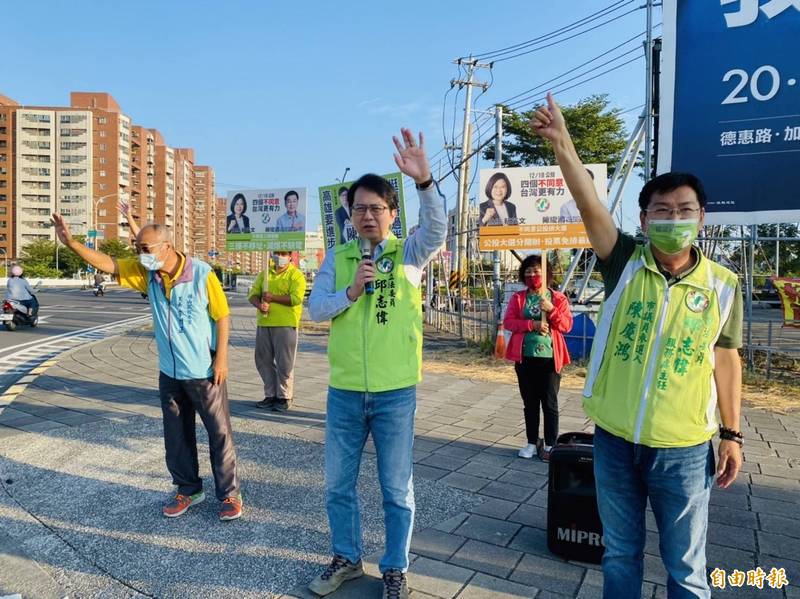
(425,184)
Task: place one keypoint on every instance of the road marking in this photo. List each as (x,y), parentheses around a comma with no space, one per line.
(78,332)
(38,355)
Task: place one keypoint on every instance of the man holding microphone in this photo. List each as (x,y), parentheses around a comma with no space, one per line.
(375,355)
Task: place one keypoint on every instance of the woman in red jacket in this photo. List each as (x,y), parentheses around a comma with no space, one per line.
(538,351)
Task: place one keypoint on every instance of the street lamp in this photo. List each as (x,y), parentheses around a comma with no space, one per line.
(346,170)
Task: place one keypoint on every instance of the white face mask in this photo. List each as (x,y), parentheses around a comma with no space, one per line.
(150,262)
(281,261)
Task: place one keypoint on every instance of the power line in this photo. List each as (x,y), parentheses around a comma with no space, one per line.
(524,100)
(599,14)
(572,70)
(539,100)
(555,43)
(563,89)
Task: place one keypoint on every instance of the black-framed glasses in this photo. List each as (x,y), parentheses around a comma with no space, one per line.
(374,209)
(664,213)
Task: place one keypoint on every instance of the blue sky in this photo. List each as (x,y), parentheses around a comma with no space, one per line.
(283,94)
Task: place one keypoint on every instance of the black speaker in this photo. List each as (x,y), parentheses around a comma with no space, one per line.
(574,530)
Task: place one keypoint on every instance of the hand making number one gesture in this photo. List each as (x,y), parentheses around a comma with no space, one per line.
(411,158)
(548,121)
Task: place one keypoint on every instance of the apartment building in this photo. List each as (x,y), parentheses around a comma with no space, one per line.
(82,160)
(205,211)
(143,173)
(164,209)
(7,245)
(111,141)
(185,224)
(52,158)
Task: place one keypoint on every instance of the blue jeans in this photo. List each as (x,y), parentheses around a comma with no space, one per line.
(678,483)
(389,417)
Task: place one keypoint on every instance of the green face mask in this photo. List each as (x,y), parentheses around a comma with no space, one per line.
(672,236)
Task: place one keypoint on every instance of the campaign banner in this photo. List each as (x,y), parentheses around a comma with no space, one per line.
(337,226)
(266,219)
(531,208)
(730,91)
(789,292)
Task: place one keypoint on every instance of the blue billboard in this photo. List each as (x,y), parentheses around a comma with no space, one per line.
(730,105)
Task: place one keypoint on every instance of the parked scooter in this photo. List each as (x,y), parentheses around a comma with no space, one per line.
(16,314)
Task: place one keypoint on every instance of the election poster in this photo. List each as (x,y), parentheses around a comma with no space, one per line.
(531,208)
(337,224)
(730,92)
(266,219)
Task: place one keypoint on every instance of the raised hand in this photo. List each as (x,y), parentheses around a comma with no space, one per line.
(548,121)
(62,230)
(124,209)
(410,157)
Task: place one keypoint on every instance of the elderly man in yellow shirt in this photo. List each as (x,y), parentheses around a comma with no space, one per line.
(191,320)
(279,303)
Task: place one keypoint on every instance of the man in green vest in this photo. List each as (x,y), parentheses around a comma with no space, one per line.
(370,290)
(665,359)
(279,301)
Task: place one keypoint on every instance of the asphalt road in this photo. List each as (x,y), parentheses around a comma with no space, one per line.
(67,317)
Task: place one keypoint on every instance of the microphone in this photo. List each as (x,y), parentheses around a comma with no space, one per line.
(366,254)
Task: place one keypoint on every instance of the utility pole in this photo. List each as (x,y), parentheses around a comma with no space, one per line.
(462,205)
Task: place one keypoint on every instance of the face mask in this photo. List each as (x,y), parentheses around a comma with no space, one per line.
(672,236)
(281,261)
(150,262)
(533,282)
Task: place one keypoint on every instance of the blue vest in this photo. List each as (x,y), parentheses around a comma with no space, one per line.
(185,332)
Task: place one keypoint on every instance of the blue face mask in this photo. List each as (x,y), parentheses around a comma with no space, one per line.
(150,262)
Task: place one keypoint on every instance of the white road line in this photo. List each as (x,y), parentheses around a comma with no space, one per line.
(107,325)
(15,366)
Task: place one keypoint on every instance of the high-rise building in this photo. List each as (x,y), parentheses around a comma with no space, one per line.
(205,211)
(111,139)
(7,198)
(143,172)
(164,211)
(184,200)
(52,161)
(82,160)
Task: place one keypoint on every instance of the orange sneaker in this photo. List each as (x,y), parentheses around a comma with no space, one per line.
(231,508)
(181,503)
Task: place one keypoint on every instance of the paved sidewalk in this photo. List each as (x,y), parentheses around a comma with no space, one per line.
(82,489)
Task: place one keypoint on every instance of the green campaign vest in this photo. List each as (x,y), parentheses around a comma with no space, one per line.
(651,373)
(376,344)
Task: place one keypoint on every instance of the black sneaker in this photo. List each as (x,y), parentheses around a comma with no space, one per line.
(267,403)
(282,405)
(337,572)
(394,585)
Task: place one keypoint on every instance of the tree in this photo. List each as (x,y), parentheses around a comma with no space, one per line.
(68,261)
(597,131)
(38,259)
(41,251)
(116,248)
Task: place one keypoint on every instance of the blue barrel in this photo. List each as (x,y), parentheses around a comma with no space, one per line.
(579,339)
